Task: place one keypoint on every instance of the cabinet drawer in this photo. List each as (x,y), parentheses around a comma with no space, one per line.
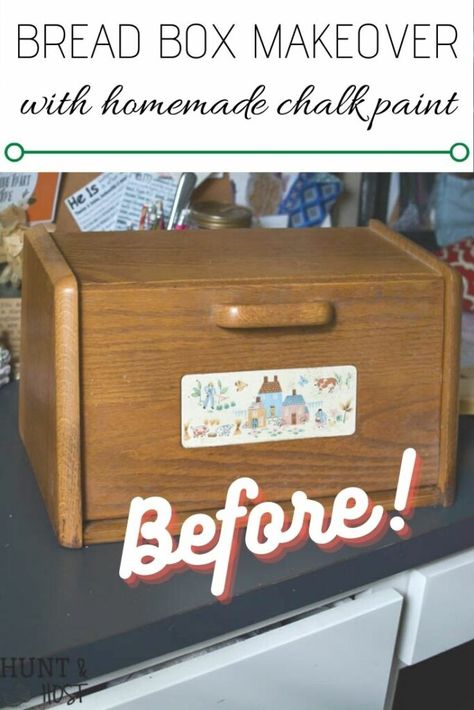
(439,608)
(320,661)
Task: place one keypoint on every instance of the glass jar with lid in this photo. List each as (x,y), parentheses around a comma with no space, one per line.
(219,215)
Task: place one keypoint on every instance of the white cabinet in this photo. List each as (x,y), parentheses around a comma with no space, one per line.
(343,656)
(333,659)
(439,608)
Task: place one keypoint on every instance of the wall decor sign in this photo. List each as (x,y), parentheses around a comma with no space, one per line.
(224,408)
(37,193)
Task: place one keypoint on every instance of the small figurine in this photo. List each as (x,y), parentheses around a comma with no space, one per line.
(210,392)
(5,367)
(321,418)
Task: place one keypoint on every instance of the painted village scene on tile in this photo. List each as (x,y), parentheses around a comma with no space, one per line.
(224,408)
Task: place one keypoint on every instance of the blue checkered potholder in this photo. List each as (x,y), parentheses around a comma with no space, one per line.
(310,199)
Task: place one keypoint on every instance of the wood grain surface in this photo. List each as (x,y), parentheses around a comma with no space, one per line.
(111,530)
(273,315)
(235,255)
(49,386)
(391,332)
(153,308)
(448,434)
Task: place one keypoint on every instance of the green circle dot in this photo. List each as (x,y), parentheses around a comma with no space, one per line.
(14,152)
(459,158)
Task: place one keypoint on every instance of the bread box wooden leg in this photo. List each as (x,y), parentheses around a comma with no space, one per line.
(49,416)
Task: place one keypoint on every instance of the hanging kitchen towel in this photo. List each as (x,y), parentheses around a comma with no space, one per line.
(461,257)
(454,208)
(310,199)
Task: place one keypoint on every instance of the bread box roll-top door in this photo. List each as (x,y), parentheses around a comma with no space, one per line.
(307,359)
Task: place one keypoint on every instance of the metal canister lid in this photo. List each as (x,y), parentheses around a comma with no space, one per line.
(220,215)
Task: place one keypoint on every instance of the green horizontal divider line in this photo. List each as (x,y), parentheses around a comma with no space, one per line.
(25,151)
(236,152)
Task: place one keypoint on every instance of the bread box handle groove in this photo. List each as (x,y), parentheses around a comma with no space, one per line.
(273,315)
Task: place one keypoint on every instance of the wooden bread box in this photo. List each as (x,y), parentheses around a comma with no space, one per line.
(172,363)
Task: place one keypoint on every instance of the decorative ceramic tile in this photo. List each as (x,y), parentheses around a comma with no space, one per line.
(223,408)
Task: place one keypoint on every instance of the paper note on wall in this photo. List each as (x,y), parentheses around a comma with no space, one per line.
(114,201)
(94,207)
(145,189)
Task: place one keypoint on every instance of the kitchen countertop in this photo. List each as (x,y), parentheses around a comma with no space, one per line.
(56,602)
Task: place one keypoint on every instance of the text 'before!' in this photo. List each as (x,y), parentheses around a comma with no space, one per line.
(151,553)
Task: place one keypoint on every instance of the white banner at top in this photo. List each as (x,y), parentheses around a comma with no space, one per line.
(214,86)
